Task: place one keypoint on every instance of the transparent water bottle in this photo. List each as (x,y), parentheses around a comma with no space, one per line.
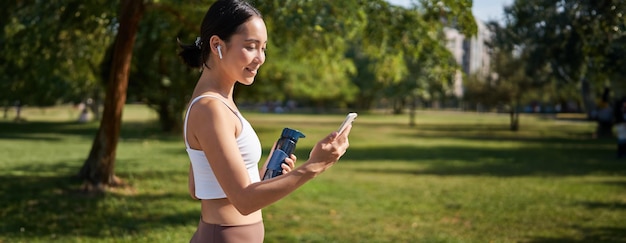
(284,147)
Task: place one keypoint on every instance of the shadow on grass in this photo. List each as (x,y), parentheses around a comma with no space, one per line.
(43,130)
(536,150)
(605,205)
(50,131)
(600,234)
(496,130)
(523,161)
(52,206)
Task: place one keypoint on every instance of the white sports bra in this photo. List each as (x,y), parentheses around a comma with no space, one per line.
(207,186)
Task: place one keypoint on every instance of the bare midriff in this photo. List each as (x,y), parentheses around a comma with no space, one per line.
(222,212)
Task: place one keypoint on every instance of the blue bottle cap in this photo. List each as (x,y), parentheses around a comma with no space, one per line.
(292,134)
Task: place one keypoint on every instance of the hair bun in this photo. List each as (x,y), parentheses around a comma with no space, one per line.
(191,54)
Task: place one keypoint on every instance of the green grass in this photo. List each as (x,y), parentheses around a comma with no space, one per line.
(454,177)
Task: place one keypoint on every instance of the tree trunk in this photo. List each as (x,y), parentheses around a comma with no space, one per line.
(514,121)
(413,111)
(588,99)
(168,119)
(514,113)
(18,111)
(98,169)
(398,106)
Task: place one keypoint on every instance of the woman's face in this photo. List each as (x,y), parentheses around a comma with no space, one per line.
(245,52)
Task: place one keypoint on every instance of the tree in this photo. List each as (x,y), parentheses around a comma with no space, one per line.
(41,42)
(306,34)
(98,169)
(408,55)
(158,77)
(400,55)
(507,87)
(575,39)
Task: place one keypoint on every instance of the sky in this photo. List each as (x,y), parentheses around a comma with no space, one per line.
(484,10)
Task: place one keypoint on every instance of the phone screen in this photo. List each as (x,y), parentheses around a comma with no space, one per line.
(349,119)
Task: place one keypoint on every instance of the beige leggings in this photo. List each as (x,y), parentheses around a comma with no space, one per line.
(210,233)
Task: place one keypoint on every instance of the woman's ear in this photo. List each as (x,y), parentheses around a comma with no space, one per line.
(216,46)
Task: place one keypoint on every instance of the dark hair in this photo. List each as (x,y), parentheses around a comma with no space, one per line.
(222,19)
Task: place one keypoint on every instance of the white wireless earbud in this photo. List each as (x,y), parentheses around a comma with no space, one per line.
(219,51)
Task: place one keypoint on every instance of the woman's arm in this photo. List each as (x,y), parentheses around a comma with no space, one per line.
(259,195)
(215,132)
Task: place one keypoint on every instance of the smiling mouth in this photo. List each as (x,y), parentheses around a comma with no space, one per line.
(251,71)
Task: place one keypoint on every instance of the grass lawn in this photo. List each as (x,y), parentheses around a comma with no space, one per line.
(454,177)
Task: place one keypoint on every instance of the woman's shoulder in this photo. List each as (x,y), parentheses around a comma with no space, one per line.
(209,119)
(208,107)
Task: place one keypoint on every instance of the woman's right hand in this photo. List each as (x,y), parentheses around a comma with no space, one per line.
(328,150)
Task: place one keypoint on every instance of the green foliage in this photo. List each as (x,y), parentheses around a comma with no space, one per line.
(158,76)
(330,53)
(509,83)
(576,40)
(52,49)
(456,13)
(400,53)
(305,58)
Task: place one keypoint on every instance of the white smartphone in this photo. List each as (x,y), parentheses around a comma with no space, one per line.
(349,119)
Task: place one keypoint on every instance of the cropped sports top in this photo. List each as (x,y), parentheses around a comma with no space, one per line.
(207,186)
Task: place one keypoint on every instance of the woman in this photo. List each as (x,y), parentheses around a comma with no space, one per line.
(223,148)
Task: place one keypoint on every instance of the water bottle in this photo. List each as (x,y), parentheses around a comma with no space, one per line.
(284,147)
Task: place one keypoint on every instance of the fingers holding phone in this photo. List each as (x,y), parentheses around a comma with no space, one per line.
(339,143)
(347,122)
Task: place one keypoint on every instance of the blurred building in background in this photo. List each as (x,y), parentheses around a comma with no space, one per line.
(472,54)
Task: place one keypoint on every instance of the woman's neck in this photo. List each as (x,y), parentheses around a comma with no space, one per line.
(210,82)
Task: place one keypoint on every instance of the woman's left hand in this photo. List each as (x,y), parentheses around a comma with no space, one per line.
(290,163)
